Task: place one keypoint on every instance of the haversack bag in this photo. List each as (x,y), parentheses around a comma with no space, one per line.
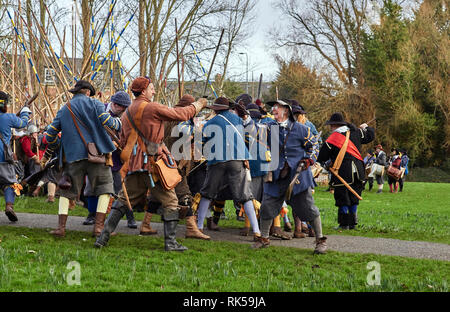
(167,174)
(93,155)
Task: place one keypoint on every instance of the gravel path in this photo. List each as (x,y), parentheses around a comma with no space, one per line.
(355,244)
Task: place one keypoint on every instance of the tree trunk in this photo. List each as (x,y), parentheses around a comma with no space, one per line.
(142,38)
(86,16)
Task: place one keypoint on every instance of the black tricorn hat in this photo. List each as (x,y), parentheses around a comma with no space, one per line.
(82,84)
(283,103)
(336,119)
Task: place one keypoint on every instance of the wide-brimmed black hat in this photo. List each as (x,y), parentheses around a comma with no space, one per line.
(336,119)
(296,107)
(283,103)
(254,111)
(82,84)
(221,103)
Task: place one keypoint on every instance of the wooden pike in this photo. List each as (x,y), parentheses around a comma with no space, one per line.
(87,61)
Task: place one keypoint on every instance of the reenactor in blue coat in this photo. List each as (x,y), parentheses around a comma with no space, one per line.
(226,153)
(81,124)
(292,179)
(7,172)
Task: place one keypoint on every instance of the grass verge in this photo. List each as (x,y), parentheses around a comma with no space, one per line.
(33,260)
(420,213)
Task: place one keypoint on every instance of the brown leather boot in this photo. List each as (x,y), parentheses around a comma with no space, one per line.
(287,227)
(321,246)
(36,192)
(99,223)
(245,231)
(210,225)
(261,242)
(298,233)
(50,199)
(192,229)
(61,230)
(145,228)
(9,211)
(278,233)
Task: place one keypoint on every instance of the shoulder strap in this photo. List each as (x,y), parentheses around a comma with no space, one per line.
(340,157)
(131,120)
(76,124)
(232,126)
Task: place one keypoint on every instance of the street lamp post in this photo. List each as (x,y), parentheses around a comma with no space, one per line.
(246,54)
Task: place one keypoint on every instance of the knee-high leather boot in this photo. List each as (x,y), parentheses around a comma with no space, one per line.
(131,223)
(298,233)
(99,223)
(61,230)
(110,225)
(170,243)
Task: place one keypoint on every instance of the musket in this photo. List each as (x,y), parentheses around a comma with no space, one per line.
(374,118)
(202,162)
(113,136)
(259,86)
(29,101)
(295,180)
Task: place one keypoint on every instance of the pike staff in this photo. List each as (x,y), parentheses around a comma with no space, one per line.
(204,71)
(31,63)
(111,50)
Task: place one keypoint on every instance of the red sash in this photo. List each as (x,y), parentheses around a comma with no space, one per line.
(338,139)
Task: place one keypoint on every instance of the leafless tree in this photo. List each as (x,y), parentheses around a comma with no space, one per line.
(238,20)
(333,28)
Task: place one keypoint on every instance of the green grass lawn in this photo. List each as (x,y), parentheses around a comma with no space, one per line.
(421,212)
(33,260)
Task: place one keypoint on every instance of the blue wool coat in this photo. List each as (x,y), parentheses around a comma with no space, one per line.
(8,121)
(300,144)
(92,113)
(221,142)
(256,139)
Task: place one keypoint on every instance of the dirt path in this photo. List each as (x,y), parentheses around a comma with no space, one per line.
(355,244)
